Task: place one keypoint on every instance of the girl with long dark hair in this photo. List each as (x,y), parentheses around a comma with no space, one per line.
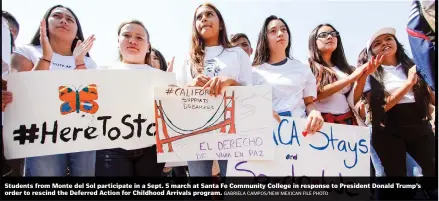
(399,107)
(294,85)
(57,45)
(335,77)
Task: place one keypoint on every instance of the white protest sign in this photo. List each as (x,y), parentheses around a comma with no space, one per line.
(192,125)
(56,112)
(336,150)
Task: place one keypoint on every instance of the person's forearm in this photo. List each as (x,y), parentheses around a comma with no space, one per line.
(330,89)
(396,96)
(42,64)
(359,88)
(310,107)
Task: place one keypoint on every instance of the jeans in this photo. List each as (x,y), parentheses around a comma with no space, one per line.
(128,163)
(204,168)
(81,164)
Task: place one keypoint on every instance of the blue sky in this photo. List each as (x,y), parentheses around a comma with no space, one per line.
(169,22)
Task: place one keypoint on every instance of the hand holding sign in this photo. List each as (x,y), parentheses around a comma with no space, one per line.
(6,95)
(199,81)
(218,83)
(6,98)
(315,119)
(314,122)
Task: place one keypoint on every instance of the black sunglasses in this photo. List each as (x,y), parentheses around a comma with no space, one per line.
(326,34)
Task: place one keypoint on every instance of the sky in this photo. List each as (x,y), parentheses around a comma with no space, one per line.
(169,22)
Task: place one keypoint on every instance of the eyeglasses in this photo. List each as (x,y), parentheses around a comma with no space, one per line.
(326,34)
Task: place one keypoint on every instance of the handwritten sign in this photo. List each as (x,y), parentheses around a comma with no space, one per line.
(56,112)
(192,125)
(336,150)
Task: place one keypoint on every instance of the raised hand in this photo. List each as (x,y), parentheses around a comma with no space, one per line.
(44,41)
(358,72)
(171,65)
(374,63)
(82,48)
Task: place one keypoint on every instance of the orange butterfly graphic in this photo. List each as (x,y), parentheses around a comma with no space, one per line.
(76,100)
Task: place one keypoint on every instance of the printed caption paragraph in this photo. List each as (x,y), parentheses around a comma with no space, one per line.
(168,189)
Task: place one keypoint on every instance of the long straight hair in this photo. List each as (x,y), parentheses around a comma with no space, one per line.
(198,44)
(147,59)
(318,64)
(79,35)
(262,54)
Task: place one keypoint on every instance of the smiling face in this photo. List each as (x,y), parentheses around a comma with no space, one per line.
(384,44)
(277,36)
(133,43)
(62,24)
(326,39)
(207,23)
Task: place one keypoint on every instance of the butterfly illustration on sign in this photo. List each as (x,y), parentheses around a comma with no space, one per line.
(79,100)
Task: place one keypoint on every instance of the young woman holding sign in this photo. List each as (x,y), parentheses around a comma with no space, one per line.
(399,103)
(210,47)
(294,85)
(134,53)
(57,45)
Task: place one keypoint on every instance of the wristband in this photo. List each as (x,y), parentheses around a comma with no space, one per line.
(41,58)
(79,65)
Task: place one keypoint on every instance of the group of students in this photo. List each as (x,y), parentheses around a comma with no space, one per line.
(382,92)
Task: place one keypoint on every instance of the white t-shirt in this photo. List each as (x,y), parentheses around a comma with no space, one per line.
(291,82)
(218,61)
(336,103)
(59,62)
(394,78)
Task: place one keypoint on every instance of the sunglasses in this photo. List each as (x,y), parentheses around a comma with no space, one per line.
(326,34)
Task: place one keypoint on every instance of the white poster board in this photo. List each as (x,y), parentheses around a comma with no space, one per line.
(336,150)
(115,111)
(192,125)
